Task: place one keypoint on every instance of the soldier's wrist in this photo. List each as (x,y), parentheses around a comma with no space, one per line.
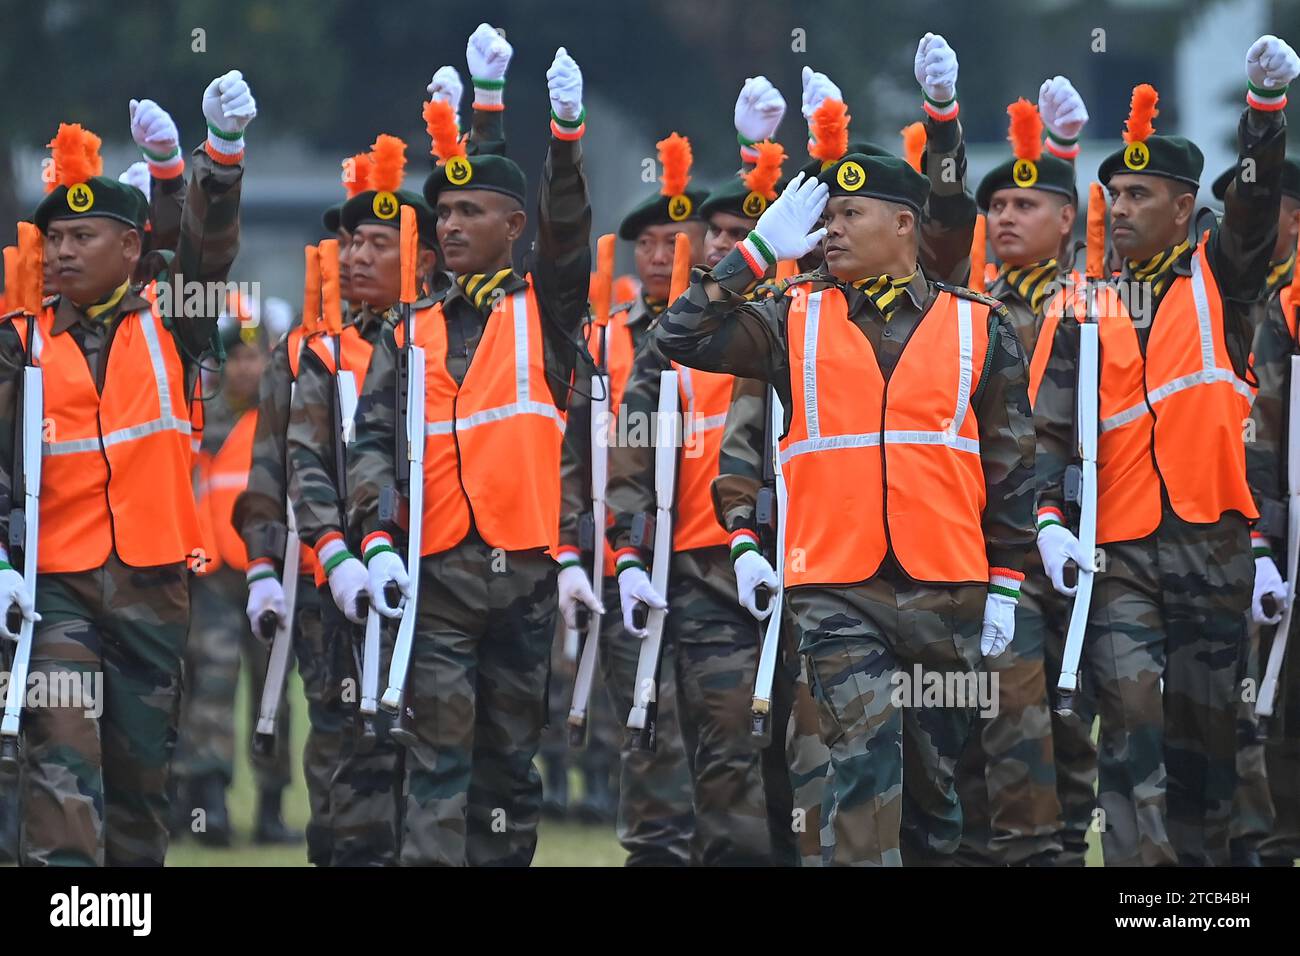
(1260,546)
(569,129)
(375,543)
(331,551)
(568,556)
(259,569)
(1265,100)
(626,558)
(1006,582)
(941,111)
(227,149)
(489,95)
(742,540)
(1050,515)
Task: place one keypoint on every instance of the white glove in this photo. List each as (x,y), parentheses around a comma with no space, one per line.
(1057,545)
(13,590)
(1267,581)
(634,588)
(137,175)
(789,226)
(1062,109)
(935,68)
(264,594)
(753,570)
(153,130)
(348,581)
(817,87)
(759,109)
(564,82)
(384,567)
(1271,63)
(999,624)
(446,86)
(228,103)
(488,54)
(575,589)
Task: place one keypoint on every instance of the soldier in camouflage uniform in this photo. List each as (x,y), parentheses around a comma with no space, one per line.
(95,789)
(1170,600)
(1265,827)
(476,685)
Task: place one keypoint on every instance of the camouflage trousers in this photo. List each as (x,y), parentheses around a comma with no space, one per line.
(656,815)
(1252,804)
(855,640)
(802,756)
(1282,755)
(95,787)
(364,799)
(716,644)
(477,689)
(1169,606)
(1006,777)
(219,631)
(10,818)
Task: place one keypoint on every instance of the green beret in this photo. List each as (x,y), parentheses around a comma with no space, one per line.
(372,208)
(1173,157)
(738,199)
(494,173)
(1048,172)
(1290,180)
(815,167)
(877,177)
(660,210)
(331,219)
(98,196)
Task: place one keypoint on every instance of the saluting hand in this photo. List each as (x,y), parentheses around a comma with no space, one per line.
(789,226)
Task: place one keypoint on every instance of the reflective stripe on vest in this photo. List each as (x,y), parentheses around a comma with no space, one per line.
(227,477)
(874,466)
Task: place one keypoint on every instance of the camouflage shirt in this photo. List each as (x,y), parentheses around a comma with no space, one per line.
(1238,250)
(713,328)
(560,268)
(948,225)
(206,245)
(1266,437)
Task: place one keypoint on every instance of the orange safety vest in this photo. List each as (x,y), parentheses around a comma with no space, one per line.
(620,352)
(1047,332)
(704,398)
(227,478)
(351,353)
(872,466)
(117,461)
(492,443)
(209,558)
(1173,419)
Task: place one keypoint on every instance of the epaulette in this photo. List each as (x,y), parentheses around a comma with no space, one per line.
(779,287)
(618,307)
(964,293)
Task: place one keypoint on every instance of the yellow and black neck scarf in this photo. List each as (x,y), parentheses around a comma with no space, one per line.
(883,291)
(478,287)
(1158,269)
(654,306)
(1279,272)
(104,307)
(1030,282)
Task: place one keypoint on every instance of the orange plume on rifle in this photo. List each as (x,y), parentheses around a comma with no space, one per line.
(9,293)
(409,243)
(331,302)
(1095,267)
(681,267)
(602,286)
(914,144)
(31,268)
(978,254)
(311,292)
(786,269)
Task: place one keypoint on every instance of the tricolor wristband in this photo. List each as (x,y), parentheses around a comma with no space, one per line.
(165,167)
(1267,101)
(1005,582)
(331,551)
(1067,149)
(259,570)
(1050,516)
(625,558)
(757,253)
(748,150)
(568,557)
(1259,545)
(940,110)
(569,129)
(374,543)
(742,540)
(5,566)
(489,95)
(225,148)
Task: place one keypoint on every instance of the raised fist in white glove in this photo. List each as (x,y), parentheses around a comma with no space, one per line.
(564,82)
(935,68)
(264,594)
(817,87)
(488,54)
(137,175)
(752,570)
(446,86)
(228,103)
(1271,64)
(13,590)
(634,588)
(789,226)
(759,109)
(1057,545)
(348,581)
(1267,581)
(1061,108)
(154,131)
(999,624)
(575,589)
(387,567)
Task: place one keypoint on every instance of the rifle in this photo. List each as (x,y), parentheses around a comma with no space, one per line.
(410,484)
(978,254)
(280,630)
(1081,479)
(1266,702)
(24,520)
(643,718)
(601,298)
(769,515)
